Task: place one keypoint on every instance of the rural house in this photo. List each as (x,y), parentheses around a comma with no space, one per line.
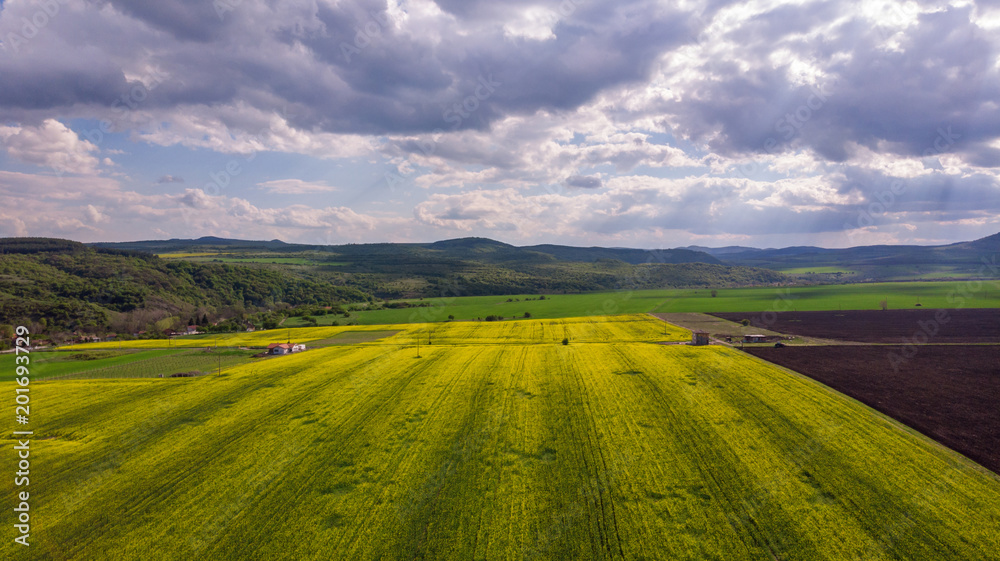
(284,348)
(191,330)
(699,337)
(755,338)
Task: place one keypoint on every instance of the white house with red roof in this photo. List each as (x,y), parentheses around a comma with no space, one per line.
(284,348)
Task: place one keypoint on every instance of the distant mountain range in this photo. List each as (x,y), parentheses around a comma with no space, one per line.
(480,249)
(877,262)
(977,259)
(63,285)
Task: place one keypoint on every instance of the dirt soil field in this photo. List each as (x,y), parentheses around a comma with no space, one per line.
(878,326)
(947,392)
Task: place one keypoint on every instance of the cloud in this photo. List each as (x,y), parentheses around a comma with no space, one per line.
(94,208)
(413,65)
(295,187)
(649,120)
(95,215)
(583,181)
(51,145)
(194,198)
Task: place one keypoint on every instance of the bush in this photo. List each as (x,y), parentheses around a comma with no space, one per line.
(451,318)
(493,318)
(527,314)
(715,293)
(744,322)
(565,341)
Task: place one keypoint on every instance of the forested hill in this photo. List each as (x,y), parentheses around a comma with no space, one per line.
(64,285)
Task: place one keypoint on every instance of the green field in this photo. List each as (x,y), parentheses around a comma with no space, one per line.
(123,364)
(949,294)
(824,270)
(498,443)
(239,258)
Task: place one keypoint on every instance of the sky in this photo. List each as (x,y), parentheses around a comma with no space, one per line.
(627,124)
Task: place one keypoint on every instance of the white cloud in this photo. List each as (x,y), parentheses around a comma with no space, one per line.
(95,215)
(50,144)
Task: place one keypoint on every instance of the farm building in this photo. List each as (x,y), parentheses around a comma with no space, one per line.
(699,337)
(191,330)
(284,348)
(755,338)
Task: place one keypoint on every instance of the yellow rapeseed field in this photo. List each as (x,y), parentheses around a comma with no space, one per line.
(499,442)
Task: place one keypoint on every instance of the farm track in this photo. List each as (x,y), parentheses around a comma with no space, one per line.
(611,447)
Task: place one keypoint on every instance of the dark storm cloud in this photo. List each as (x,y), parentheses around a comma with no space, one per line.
(341,67)
(196,20)
(33,82)
(942,75)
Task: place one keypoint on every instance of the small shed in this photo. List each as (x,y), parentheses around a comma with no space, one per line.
(699,337)
(755,338)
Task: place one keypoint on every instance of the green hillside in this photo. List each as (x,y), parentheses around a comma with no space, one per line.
(64,286)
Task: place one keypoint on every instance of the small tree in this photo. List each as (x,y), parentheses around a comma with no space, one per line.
(451,317)
(527,314)
(715,293)
(744,322)
(884,304)
(565,340)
